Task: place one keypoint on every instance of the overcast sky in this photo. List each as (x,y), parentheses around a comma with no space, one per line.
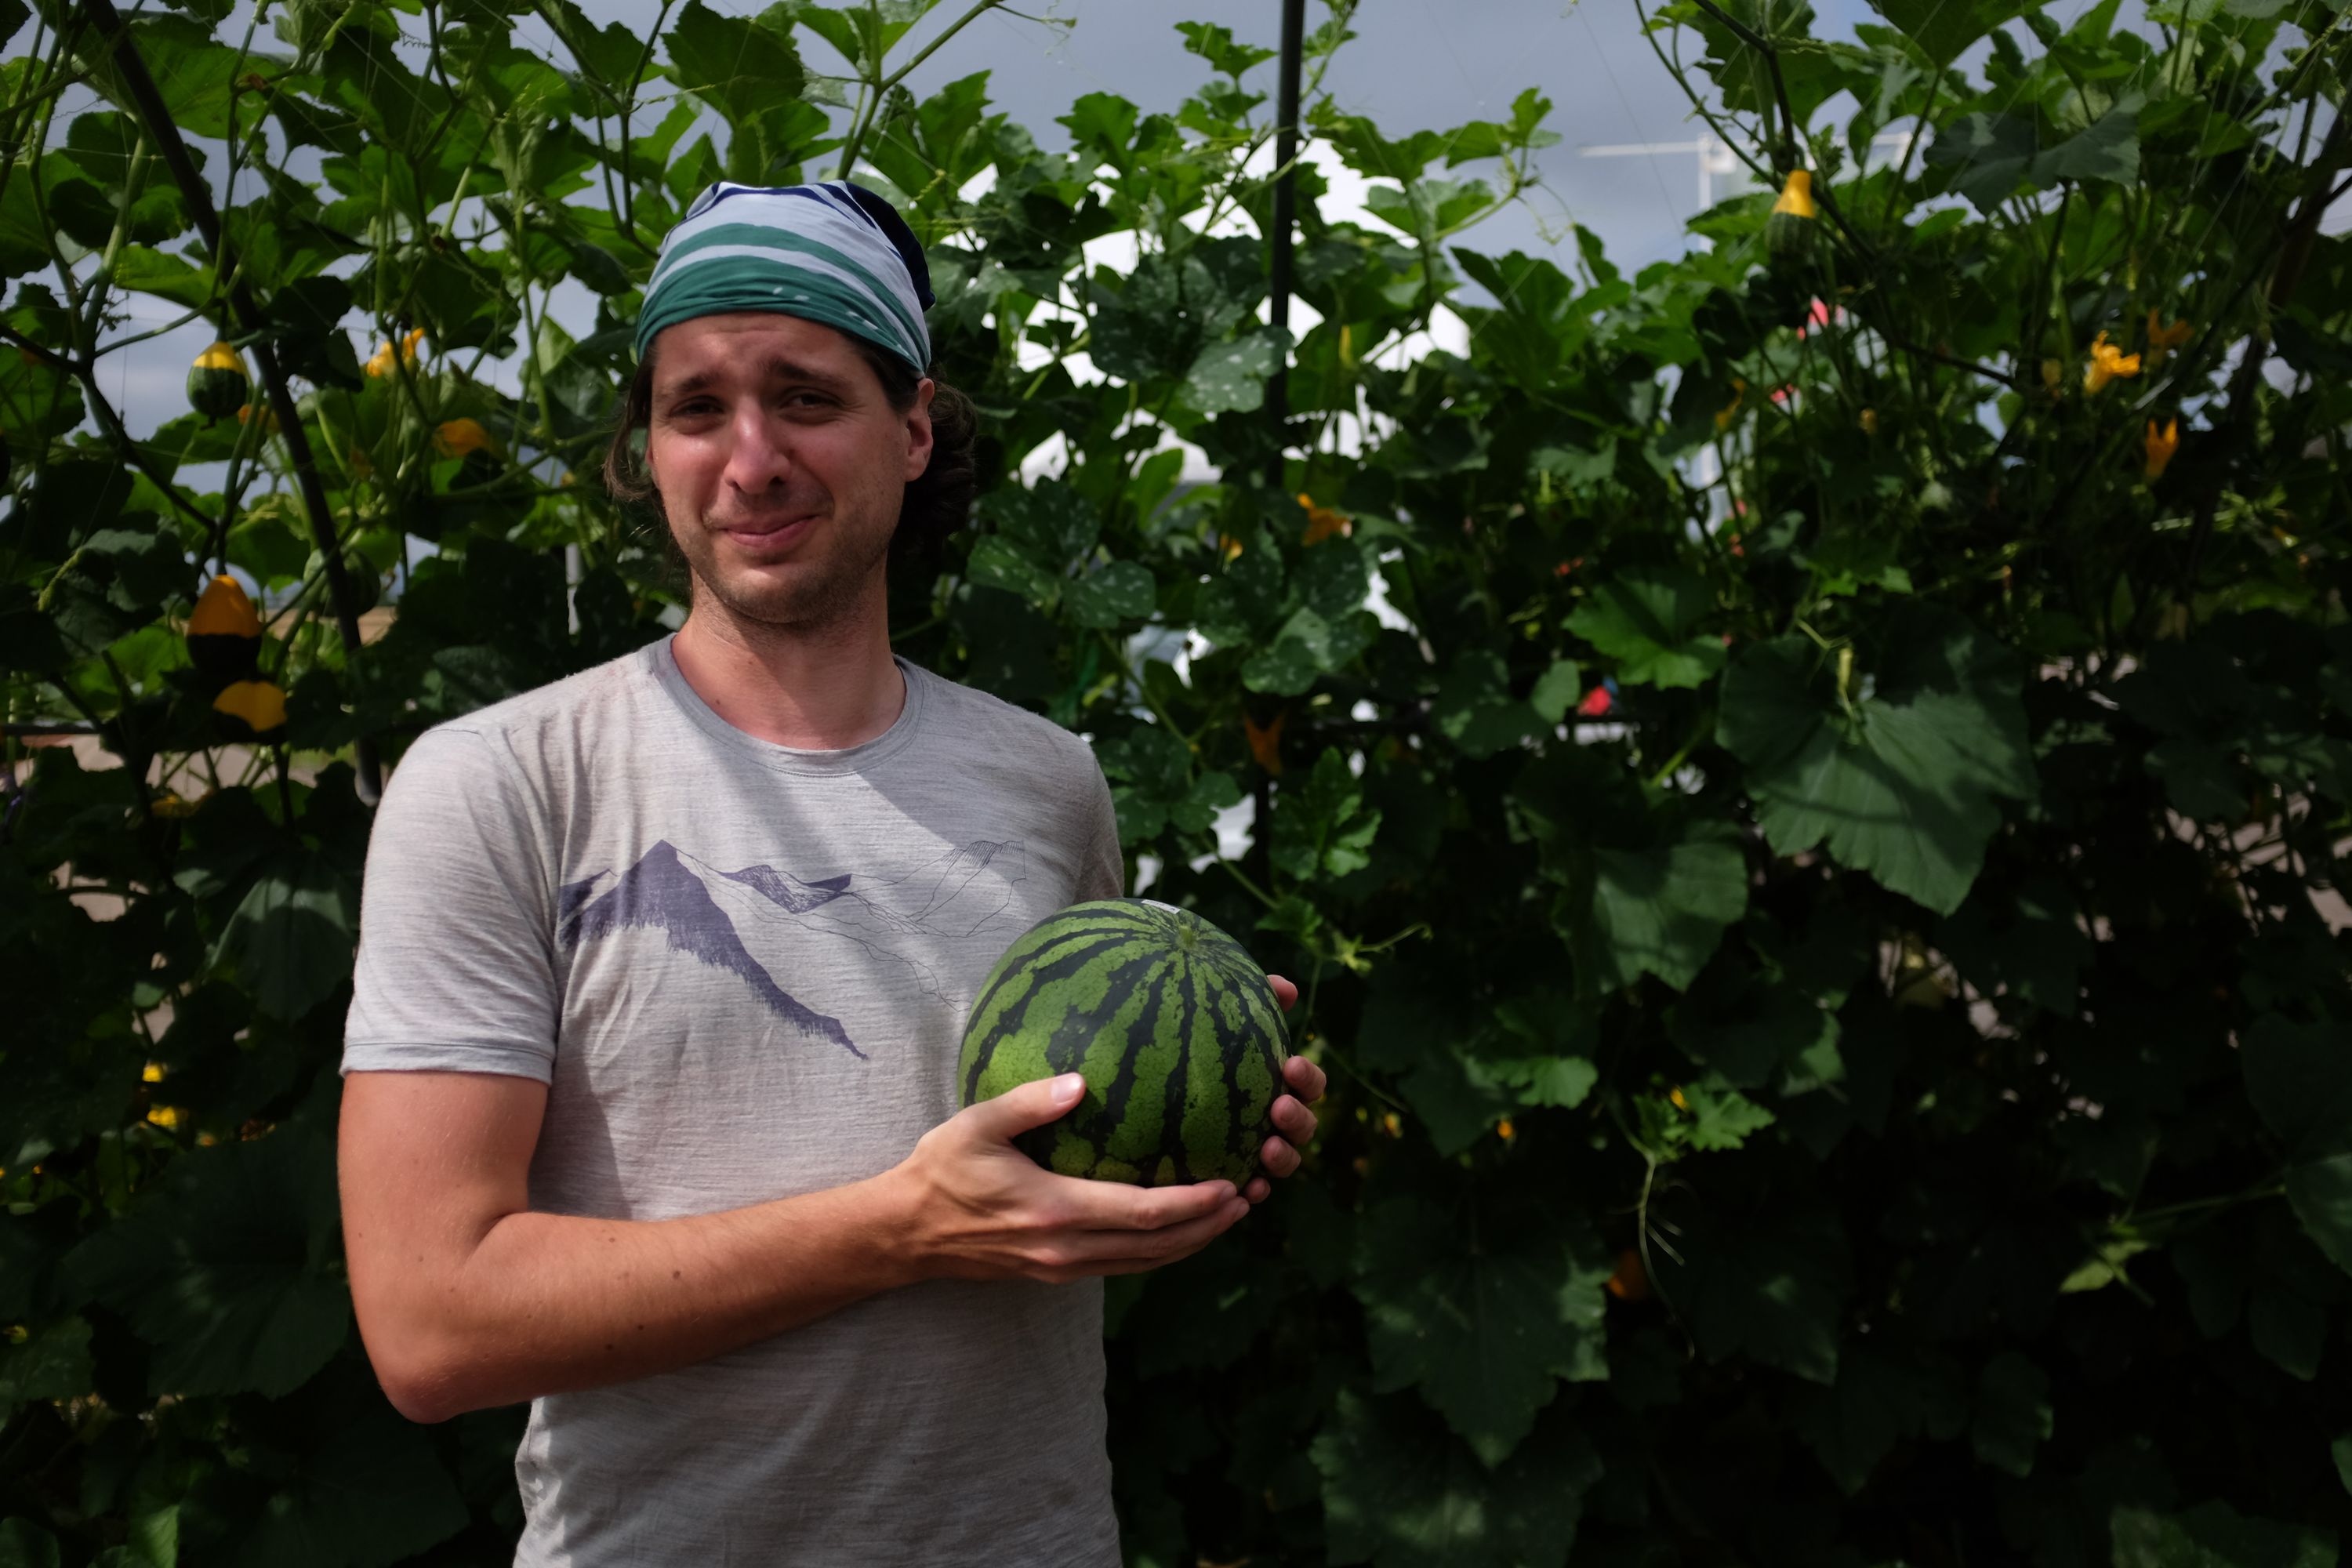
(1414,64)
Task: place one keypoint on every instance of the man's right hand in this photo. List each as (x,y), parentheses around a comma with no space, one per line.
(979,1208)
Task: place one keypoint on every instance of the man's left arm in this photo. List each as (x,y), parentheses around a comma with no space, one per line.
(1104,876)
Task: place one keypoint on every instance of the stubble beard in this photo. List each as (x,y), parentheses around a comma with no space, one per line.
(834,592)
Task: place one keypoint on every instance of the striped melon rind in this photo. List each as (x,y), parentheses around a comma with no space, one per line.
(1175,1030)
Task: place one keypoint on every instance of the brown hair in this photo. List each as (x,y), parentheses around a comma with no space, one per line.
(936,503)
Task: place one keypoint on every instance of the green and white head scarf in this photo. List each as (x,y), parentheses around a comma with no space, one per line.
(832,253)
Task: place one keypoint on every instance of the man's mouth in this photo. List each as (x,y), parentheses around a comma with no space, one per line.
(776,530)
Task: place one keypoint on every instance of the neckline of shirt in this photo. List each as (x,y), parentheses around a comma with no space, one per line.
(662,664)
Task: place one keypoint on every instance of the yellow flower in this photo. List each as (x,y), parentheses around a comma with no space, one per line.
(1724,416)
(1675,1094)
(152,1073)
(456,438)
(1322,522)
(270,425)
(1504,1130)
(164,1115)
(1797,195)
(1870,421)
(2160,447)
(1228,546)
(2107,362)
(2162,341)
(380,362)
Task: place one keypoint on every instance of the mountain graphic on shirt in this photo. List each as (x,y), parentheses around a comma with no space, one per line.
(720,918)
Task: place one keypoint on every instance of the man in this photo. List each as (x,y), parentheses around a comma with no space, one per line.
(650,1114)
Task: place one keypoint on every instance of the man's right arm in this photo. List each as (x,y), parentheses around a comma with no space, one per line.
(466,1299)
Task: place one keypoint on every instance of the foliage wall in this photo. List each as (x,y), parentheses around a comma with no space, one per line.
(1835,1055)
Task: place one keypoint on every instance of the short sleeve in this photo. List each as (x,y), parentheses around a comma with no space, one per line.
(456,970)
(1102,874)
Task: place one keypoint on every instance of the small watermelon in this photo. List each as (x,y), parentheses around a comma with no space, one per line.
(217,385)
(1177,1032)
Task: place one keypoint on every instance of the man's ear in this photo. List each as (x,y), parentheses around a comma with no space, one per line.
(918,430)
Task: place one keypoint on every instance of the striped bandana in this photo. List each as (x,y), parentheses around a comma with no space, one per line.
(834,253)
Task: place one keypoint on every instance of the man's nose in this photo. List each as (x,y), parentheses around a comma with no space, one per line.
(760,454)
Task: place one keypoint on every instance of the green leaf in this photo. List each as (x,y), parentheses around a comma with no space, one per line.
(53,1363)
(350,1482)
(1230,377)
(738,66)
(1474,710)
(2299,1076)
(24,1544)
(231,1271)
(291,940)
(2215,1535)
(1767,1284)
(2028,943)
(1901,781)
(1122,591)
(2320,1192)
(1556,691)
(1321,826)
(1721,1117)
(1000,563)
(1880,1398)
(2013,1415)
(1481,1321)
(1945,29)
(1646,618)
(1398,1493)
(1659,910)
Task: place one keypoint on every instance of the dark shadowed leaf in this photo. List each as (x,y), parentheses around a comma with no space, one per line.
(1481,1321)
(1399,1492)
(231,1271)
(1903,777)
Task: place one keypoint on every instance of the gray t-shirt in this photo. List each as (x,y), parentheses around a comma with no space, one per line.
(743,973)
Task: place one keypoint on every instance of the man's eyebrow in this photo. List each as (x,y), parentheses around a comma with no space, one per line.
(775,370)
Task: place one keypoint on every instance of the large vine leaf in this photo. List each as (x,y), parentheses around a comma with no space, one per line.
(2299,1076)
(1903,779)
(231,1271)
(1398,1493)
(1657,910)
(1767,1284)
(1647,619)
(1481,1323)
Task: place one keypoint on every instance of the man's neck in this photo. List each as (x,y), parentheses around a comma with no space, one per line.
(820,691)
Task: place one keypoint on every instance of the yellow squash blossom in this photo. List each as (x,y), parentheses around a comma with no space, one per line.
(1228,546)
(1725,415)
(2161,444)
(1266,743)
(2107,362)
(2162,341)
(1322,522)
(270,425)
(380,363)
(1797,195)
(1870,421)
(456,438)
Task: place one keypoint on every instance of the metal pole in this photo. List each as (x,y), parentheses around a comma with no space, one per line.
(1277,385)
(1285,218)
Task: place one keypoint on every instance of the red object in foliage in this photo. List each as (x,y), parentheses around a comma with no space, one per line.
(1596,703)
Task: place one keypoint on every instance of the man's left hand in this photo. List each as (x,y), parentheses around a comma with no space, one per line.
(1294,1123)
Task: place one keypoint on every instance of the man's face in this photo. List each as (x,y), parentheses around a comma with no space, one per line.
(781,463)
